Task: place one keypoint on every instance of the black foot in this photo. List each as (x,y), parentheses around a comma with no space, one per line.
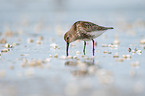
(84,47)
(93,47)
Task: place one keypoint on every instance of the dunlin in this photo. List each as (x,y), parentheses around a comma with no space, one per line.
(83,30)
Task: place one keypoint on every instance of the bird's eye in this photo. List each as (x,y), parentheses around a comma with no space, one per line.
(67,38)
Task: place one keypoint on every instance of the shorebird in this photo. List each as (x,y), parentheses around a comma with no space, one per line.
(83,30)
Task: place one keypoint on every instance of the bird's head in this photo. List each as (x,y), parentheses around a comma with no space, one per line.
(68,37)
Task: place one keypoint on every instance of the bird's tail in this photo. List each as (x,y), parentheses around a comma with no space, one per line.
(109,28)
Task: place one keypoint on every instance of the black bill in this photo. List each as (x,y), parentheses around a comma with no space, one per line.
(67,47)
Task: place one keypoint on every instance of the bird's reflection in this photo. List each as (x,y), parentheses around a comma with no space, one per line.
(82,68)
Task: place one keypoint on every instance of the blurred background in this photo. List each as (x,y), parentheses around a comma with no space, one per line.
(70,10)
(35,64)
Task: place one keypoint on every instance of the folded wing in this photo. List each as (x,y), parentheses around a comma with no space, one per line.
(90,27)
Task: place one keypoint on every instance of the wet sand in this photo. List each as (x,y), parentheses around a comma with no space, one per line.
(33,61)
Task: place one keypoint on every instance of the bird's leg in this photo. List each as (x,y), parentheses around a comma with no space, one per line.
(84,47)
(93,47)
(67,49)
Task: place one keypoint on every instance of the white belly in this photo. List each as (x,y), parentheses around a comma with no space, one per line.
(94,35)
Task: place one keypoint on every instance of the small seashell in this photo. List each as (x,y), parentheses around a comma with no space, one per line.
(116,55)
(50,55)
(7,45)
(139,52)
(86,57)
(30,40)
(39,62)
(78,52)
(4,50)
(142,41)
(56,55)
(104,45)
(40,38)
(14,44)
(39,42)
(120,59)
(124,56)
(32,63)
(133,51)
(63,57)
(54,45)
(47,60)
(109,52)
(69,57)
(75,57)
(128,56)
(116,42)
(114,46)
(97,51)
(82,56)
(92,57)
(129,49)
(105,52)
(11,46)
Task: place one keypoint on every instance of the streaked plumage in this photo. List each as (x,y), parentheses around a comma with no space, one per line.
(83,30)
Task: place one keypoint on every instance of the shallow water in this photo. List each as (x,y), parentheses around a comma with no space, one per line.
(24,70)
